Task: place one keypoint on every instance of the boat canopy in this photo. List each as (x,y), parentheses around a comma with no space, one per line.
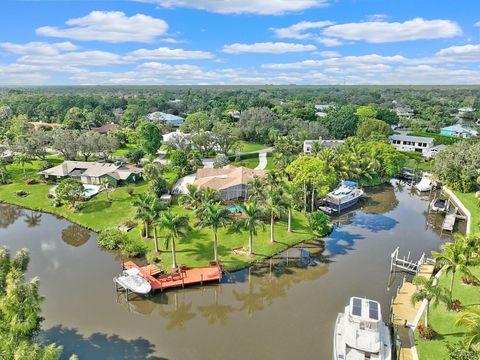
(365,310)
(349,183)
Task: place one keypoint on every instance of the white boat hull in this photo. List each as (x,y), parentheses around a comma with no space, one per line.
(133,281)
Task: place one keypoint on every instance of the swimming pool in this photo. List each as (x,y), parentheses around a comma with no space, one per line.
(235,209)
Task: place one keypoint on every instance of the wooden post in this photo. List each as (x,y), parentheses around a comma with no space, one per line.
(201,279)
(183,282)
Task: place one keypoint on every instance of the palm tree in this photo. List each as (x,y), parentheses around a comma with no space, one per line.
(429,290)
(472,247)
(471,320)
(289,200)
(274,204)
(192,199)
(251,220)
(175,225)
(453,259)
(105,186)
(209,196)
(213,216)
(255,187)
(147,208)
(22,158)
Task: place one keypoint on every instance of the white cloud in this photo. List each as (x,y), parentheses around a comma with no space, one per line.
(267,47)
(41,48)
(83,58)
(377,17)
(329,41)
(165,53)
(461,53)
(260,7)
(173,41)
(381,32)
(297,31)
(328,54)
(109,26)
(477,24)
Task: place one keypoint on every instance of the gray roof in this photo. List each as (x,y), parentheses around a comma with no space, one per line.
(161,116)
(439,147)
(92,169)
(412,138)
(460,129)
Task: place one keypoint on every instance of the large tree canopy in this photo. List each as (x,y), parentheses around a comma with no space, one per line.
(341,122)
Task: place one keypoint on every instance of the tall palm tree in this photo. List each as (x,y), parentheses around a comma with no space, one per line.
(274,205)
(472,247)
(213,216)
(209,196)
(471,320)
(176,227)
(255,187)
(289,200)
(105,186)
(453,259)
(147,207)
(251,220)
(429,290)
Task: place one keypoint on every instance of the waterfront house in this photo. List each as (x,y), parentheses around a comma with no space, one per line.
(230,181)
(412,143)
(308,144)
(404,112)
(93,172)
(458,130)
(165,119)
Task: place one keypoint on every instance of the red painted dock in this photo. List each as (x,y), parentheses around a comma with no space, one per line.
(183,277)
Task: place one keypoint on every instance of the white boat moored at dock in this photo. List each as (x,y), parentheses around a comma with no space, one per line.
(360,332)
(133,281)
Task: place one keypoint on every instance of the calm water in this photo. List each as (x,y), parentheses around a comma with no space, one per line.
(282,309)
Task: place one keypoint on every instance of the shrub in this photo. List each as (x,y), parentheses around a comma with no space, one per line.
(133,249)
(158,186)
(426,332)
(21,193)
(220,161)
(55,202)
(152,258)
(130,190)
(459,351)
(319,223)
(111,239)
(31,181)
(44,165)
(135,155)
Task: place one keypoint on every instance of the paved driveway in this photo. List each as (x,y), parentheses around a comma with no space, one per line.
(180,186)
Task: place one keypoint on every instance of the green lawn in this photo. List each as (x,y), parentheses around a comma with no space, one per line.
(197,249)
(251,147)
(124,150)
(250,163)
(443,320)
(471,202)
(422,165)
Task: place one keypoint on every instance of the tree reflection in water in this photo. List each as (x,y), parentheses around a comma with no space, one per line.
(180,315)
(216,312)
(33,219)
(75,235)
(9,214)
(380,200)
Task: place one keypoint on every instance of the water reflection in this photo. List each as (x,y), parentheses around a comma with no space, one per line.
(341,242)
(374,223)
(99,346)
(216,312)
(179,315)
(382,199)
(75,235)
(33,218)
(9,214)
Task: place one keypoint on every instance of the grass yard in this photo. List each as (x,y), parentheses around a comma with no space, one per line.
(124,150)
(249,163)
(443,320)
(472,204)
(251,147)
(422,165)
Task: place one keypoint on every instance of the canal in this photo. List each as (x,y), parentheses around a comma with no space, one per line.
(282,309)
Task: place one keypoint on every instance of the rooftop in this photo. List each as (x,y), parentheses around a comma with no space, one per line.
(411,138)
(228,176)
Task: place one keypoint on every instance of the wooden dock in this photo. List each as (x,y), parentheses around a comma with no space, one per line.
(404,312)
(449,222)
(181,278)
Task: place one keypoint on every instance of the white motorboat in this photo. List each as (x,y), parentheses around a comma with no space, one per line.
(425,183)
(345,195)
(360,332)
(439,204)
(133,281)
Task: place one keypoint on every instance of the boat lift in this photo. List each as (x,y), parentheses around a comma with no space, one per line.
(407,265)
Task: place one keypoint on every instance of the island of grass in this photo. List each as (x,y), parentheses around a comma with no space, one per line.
(442,320)
(100,213)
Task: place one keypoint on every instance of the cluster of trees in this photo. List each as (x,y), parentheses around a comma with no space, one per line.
(20,311)
(458,165)
(455,258)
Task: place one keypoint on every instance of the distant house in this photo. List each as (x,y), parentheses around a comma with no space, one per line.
(465,110)
(412,143)
(308,144)
(104,129)
(38,124)
(177,138)
(323,107)
(230,181)
(435,150)
(234,114)
(93,172)
(458,131)
(404,112)
(165,119)
(320,114)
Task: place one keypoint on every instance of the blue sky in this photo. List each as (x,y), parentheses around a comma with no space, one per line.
(155,42)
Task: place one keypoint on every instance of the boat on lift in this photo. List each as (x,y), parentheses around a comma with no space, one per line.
(345,195)
(132,280)
(360,332)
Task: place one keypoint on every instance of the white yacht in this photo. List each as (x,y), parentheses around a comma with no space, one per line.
(360,332)
(132,280)
(345,195)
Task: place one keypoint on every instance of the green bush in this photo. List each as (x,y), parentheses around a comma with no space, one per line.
(459,351)
(318,222)
(111,239)
(133,249)
(439,139)
(21,193)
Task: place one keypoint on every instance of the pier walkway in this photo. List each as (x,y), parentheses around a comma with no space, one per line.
(404,313)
